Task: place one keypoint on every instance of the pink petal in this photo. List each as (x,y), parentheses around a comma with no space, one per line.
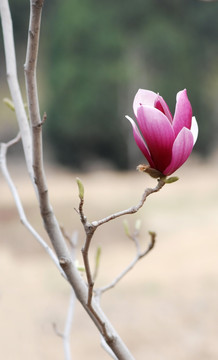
(183,112)
(158,134)
(140,142)
(182,148)
(194,129)
(143,97)
(161,105)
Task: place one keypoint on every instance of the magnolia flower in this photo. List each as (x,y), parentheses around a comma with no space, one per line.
(165,141)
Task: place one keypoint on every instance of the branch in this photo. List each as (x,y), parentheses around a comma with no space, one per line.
(3,165)
(67,330)
(133,209)
(14,85)
(51,225)
(90,228)
(139,255)
(68,325)
(69,319)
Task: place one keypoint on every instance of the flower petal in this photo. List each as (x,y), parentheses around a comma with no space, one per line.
(158,134)
(144,97)
(181,150)
(139,141)
(161,105)
(194,129)
(183,112)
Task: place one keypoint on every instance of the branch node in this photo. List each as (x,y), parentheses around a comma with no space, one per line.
(31,34)
(64,262)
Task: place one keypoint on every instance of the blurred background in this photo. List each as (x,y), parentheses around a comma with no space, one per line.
(94,55)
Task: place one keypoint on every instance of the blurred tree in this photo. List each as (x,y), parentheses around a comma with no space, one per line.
(86,74)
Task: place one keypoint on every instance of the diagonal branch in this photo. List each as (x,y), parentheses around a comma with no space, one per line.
(3,166)
(139,255)
(133,209)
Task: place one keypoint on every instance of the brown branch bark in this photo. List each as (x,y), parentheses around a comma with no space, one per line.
(133,209)
(90,229)
(50,222)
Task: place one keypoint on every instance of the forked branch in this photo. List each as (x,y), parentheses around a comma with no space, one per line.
(90,229)
(139,255)
(50,222)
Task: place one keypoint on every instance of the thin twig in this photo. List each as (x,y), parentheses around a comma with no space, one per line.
(71,307)
(3,165)
(68,326)
(90,228)
(85,254)
(133,209)
(139,255)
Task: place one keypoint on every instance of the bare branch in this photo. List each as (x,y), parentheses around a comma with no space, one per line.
(68,325)
(3,165)
(107,349)
(14,85)
(133,209)
(71,307)
(51,225)
(139,255)
(48,216)
(85,252)
(31,61)
(90,228)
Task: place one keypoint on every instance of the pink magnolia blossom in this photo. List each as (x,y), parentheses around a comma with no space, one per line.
(165,141)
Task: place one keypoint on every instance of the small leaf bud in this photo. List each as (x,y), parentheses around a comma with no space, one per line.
(81,188)
(9,103)
(171,180)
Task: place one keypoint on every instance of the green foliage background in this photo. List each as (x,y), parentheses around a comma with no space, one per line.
(98,53)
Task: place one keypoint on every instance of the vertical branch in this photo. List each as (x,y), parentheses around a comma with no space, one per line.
(68,325)
(14,85)
(31,61)
(51,225)
(47,213)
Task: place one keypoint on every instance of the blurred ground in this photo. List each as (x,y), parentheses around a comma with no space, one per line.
(165,309)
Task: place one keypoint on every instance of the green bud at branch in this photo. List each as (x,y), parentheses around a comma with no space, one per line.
(78,266)
(81,188)
(171,180)
(9,103)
